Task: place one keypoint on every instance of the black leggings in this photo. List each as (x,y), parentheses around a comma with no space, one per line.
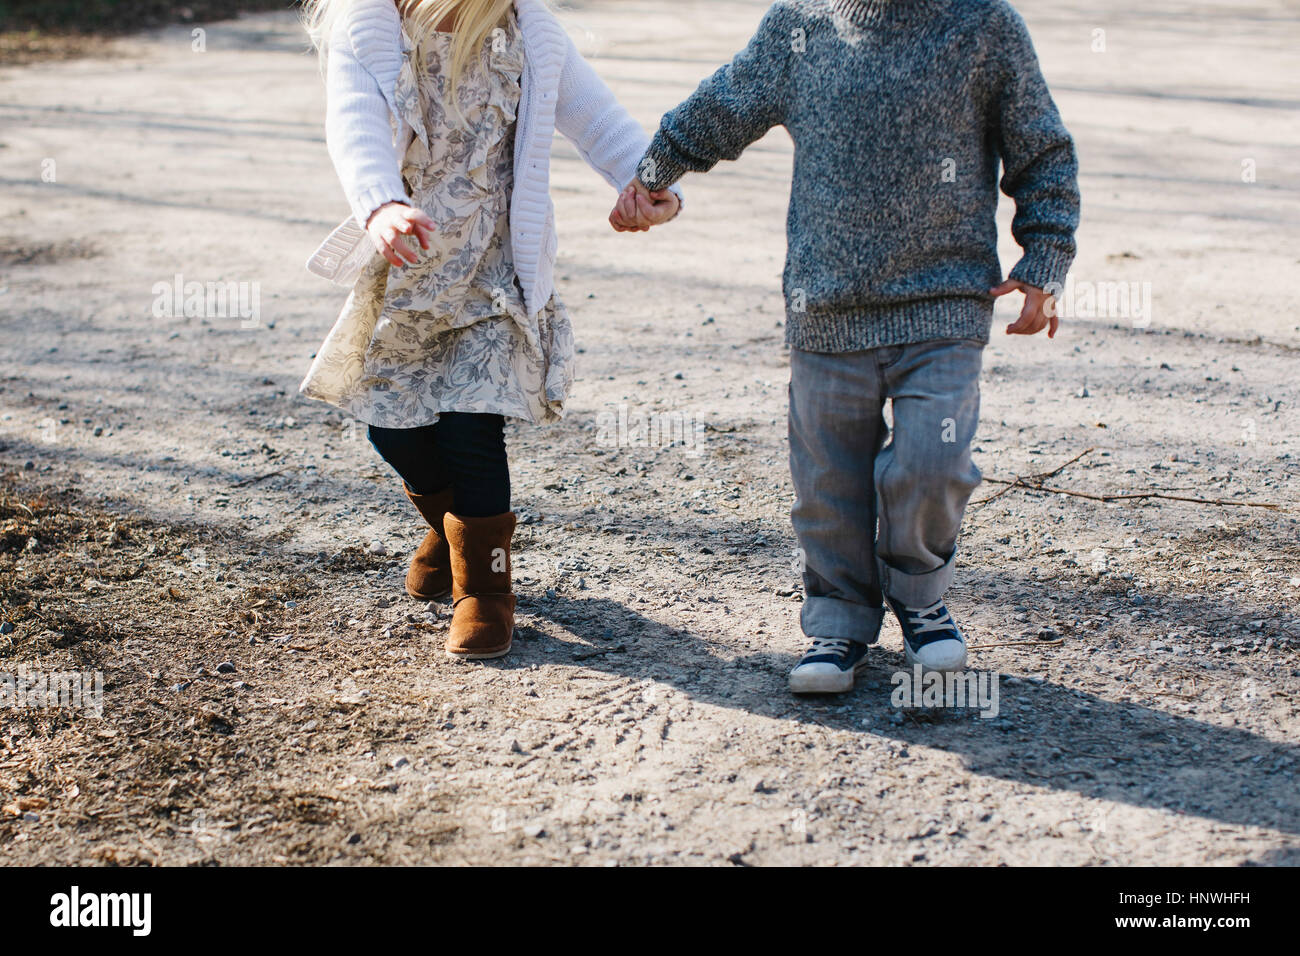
(462,450)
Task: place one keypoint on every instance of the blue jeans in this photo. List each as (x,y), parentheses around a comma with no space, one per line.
(877,519)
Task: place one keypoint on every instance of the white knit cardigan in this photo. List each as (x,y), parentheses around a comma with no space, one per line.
(559,91)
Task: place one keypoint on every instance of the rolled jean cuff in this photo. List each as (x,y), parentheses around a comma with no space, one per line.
(835,617)
(917,590)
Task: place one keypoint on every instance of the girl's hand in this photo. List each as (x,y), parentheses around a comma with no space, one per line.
(390,223)
(638,208)
(1038,312)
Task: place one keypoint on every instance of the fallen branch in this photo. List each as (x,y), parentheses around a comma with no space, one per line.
(1030,481)
(979,647)
(1036,483)
(1137,496)
(255,480)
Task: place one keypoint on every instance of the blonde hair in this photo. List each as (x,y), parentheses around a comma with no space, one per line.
(472,22)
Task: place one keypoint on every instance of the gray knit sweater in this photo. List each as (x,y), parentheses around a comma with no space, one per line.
(900,111)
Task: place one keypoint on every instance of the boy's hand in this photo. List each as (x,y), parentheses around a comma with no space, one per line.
(390,222)
(1039,310)
(638,208)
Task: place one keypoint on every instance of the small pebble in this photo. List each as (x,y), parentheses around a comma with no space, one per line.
(226,667)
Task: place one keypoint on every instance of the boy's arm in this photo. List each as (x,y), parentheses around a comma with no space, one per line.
(1040,168)
(731,109)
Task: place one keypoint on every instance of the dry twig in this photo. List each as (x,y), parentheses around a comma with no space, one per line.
(1036,483)
(978,647)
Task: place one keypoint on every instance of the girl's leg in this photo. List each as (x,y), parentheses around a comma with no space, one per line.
(413,454)
(479,527)
(471,449)
(457,474)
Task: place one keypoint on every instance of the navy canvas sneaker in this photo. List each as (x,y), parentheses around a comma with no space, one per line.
(829,666)
(930,637)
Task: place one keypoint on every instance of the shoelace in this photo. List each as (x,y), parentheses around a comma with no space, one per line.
(932,618)
(838,646)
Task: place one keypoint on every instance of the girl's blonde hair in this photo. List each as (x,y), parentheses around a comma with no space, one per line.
(472,22)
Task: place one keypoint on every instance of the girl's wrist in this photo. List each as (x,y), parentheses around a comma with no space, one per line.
(378,209)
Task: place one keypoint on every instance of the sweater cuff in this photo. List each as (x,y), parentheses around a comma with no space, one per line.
(1043,266)
(659,168)
(373,197)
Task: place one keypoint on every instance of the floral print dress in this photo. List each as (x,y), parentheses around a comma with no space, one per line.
(451,332)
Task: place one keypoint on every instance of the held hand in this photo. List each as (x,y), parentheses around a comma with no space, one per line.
(638,208)
(1039,310)
(391,223)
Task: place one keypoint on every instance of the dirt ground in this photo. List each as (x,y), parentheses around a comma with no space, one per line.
(230,556)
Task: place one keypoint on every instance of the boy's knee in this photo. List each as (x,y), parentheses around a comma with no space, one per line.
(938,459)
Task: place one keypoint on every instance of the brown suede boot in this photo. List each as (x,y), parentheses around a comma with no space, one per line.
(483,622)
(429,576)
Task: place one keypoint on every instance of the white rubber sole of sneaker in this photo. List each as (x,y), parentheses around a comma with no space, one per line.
(940,658)
(824,679)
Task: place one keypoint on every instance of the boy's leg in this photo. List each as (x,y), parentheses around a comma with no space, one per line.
(924,478)
(836,430)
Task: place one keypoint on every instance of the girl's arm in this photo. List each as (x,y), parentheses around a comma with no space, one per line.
(589,115)
(358,133)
